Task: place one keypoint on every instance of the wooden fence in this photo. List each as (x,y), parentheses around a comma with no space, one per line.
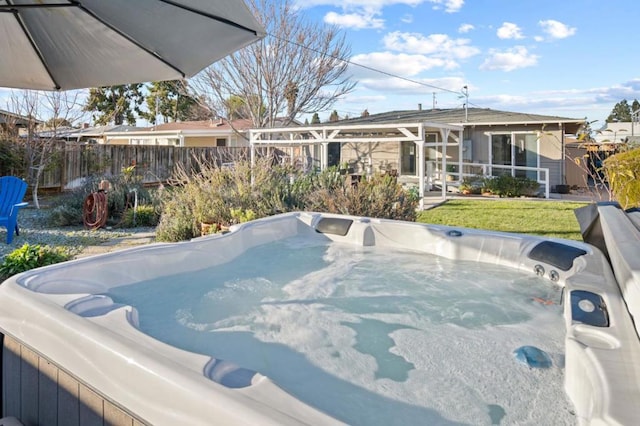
(153,164)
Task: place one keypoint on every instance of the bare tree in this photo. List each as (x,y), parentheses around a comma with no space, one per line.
(299,68)
(46,112)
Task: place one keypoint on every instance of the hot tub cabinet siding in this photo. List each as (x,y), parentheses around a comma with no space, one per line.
(38,392)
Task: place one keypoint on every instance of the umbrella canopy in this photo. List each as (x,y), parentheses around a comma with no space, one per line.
(66,44)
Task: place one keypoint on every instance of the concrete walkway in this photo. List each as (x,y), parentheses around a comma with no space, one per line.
(120,243)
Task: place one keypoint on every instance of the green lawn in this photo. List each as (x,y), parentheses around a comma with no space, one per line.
(537,217)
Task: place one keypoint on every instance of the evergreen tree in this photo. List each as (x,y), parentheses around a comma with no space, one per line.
(171,100)
(115,104)
(238,107)
(315,119)
(621,112)
(334,116)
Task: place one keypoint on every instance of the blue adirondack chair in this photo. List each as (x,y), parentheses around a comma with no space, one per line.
(12,190)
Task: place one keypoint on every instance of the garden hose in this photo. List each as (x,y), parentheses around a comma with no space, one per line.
(94,210)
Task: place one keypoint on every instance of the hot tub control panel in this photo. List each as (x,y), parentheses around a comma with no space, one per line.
(589,308)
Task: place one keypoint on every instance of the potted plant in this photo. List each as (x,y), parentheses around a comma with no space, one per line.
(471,185)
(563,188)
(343,168)
(451,168)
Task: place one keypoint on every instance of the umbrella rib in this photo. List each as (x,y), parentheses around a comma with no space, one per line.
(16,15)
(210,16)
(14,8)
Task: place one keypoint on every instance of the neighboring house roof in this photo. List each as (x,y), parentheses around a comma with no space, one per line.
(220,124)
(58,133)
(7,117)
(477,116)
(99,131)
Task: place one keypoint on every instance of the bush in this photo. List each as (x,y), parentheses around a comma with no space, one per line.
(224,196)
(121,194)
(142,216)
(31,256)
(380,197)
(510,186)
(177,222)
(472,184)
(623,173)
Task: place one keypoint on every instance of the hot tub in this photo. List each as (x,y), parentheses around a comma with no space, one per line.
(348,342)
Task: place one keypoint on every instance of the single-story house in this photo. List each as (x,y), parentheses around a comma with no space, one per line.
(586,156)
(431,147)
(620,132)
(206,133)
(97,134)
(13,124)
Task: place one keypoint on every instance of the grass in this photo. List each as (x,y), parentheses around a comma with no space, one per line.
(537,217)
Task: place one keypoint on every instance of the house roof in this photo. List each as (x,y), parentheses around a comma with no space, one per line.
(12,117)
(101,130)
(475,116)
(220,124)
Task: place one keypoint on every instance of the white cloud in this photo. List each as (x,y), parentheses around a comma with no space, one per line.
(354,20)
(449,6)
(556,29)
(439,45)
(407,18)
(509,60)
(509,30)
(397,86)
(465,28)
(397,64)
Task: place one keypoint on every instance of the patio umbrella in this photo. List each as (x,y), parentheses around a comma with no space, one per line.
(67,44)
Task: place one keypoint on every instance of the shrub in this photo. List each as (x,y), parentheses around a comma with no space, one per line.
(223,196)
(471,184)
(65,215)
(177,222)
(510,186)
(241,216)
(67,211)
(380,197)
(31,256)
(623,174)
(142,216)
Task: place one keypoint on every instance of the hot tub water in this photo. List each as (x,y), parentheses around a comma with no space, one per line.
(371,336)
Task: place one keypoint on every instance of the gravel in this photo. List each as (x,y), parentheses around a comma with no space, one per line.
(34,230)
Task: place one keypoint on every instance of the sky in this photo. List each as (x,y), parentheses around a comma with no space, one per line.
(569,58)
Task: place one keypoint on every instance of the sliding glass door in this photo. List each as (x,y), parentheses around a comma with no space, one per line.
(515,149)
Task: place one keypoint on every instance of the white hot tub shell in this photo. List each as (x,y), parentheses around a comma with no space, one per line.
(60,313)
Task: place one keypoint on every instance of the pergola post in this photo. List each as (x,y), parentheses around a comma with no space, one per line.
(324,155)
(420,148)
(252,153)
(445,141)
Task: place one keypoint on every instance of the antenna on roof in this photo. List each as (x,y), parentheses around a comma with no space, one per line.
(434,101)
(465,92)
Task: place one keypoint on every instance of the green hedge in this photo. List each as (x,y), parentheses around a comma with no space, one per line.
(623,174)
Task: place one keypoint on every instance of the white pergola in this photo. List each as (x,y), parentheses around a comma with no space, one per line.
(365,134)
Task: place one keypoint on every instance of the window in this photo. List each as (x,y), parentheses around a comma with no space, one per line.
(408,158)
(515,150)
(431,138)
(221,142)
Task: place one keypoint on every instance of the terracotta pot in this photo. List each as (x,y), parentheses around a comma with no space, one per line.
(208,228)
